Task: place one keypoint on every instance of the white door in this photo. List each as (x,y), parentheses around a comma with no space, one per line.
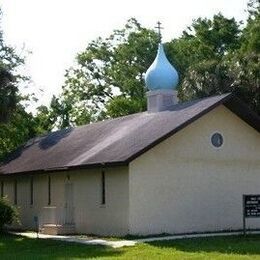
(69,208)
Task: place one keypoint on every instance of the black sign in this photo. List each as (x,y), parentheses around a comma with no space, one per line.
(252,206)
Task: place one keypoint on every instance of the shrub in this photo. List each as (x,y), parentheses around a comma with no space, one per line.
(8,213)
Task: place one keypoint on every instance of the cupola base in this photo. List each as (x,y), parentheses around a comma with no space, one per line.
(161,100)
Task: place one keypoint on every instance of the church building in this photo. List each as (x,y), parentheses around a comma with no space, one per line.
(175,168)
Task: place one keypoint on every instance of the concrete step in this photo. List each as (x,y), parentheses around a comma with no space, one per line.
(52,229)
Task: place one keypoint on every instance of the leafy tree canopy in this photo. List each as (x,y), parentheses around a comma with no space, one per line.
(229,61)
(16,125)
(212,56)
(108,80)
(9,80)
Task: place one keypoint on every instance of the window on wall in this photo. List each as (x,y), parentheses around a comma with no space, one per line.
(49,190)
(217,140)
(15,192)
(31,191)
(2,189)
(103,188)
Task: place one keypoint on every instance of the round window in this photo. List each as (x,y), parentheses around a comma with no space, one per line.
(217,140)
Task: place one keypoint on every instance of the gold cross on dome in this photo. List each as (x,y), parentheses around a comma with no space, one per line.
(159,30)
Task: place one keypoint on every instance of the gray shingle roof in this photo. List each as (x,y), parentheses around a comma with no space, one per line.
(116,141)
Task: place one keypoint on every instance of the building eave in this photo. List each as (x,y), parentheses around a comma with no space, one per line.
(68,168)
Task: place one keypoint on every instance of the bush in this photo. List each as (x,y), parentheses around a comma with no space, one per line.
(8,213)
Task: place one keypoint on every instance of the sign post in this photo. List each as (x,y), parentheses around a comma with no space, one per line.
(244,215)
(251,208)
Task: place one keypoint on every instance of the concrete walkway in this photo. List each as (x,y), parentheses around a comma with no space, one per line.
(122,243)
(175,237)
(86,241)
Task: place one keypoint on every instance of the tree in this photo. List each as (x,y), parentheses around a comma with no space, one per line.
(20,127)
(8,94)
(8,213)
(9,80)
(253,8)
(200,54)
(54,116)
(244,65)
(16,125)
(216,57)
(108,80)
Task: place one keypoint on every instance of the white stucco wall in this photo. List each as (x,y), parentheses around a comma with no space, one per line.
(184,184)
(181,185)
(92,217)
(26,210)
(89,215)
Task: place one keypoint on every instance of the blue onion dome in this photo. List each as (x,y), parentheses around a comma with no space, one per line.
(161,74)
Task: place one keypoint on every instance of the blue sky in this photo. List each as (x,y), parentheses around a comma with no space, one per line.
(54,31)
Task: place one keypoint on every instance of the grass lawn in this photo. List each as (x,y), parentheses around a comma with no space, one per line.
(234,247)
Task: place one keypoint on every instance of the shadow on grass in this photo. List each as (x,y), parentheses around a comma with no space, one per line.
(249,245)
(16,247)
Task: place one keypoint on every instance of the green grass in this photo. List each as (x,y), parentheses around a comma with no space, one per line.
(234,247)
